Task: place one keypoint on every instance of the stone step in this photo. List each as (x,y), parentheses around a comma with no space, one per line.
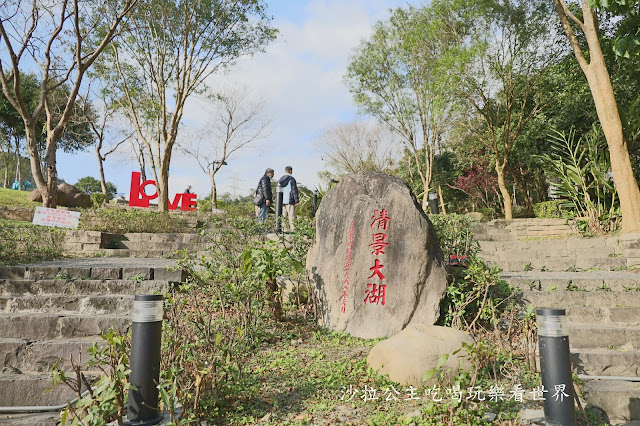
(31,419)
(606,316)
(84,273)
(31,389)
(526,254)
(567,299)
(82,287)
(619,399)
(559,264)
(72,304)
(42,326)
(590,280)
(40,356)
(592,336)
(606,362)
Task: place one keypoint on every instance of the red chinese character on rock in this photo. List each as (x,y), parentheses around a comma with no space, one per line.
(376,294)
(382,220)
(378,244)
(376,270)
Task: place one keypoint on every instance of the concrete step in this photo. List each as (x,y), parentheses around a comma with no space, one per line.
(42,326)
(606,362)
(589,280)
(592,336)
(31,389)
(559,264)
(619,399)
(82,287)
(567,299)
(606,316)
(72,304)
(31,419)
(84,273)
(40,356)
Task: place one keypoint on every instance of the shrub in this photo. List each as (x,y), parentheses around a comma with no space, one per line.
(550,209)
(455,235)
(98,199)
(25,243)
(121,221)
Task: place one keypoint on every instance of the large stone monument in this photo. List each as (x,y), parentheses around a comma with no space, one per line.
(376,263)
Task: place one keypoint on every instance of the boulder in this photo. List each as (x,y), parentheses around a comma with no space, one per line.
(68,190)
(376,265)
(81,199)
(67,195)
(408,355)
(35,196)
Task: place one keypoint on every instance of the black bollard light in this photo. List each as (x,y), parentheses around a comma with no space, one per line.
(315,201)
(555,367)
(433,203)
(142,408)
(279,198)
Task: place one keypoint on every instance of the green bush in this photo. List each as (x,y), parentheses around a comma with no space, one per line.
(550,209)
(25,243)
(121,221)
(98,199)
(221,314)
(455,235)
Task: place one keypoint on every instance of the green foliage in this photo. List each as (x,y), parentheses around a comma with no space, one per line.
(220,314)
(122,221)
(550,209)
(98,199)
(91,185)
(455,235)
(106,398)
(579,167)
(25,243)
(475,298)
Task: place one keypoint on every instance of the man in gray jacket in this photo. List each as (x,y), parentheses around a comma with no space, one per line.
(290,197)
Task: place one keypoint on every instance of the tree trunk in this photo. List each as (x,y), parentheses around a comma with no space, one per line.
(442,206)
(608,113)
(50,198)
(163,187)
(425,199)
(18,171)
(274,298)
(36,165)
(214,193)
(103,182)
(609,116)
(5,183)
(506,197)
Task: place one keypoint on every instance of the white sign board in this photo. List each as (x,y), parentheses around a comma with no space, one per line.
(55,217)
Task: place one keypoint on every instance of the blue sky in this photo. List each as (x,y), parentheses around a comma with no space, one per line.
(300,77)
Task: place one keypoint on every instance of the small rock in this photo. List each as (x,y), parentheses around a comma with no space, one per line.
(266,417)
(490,416)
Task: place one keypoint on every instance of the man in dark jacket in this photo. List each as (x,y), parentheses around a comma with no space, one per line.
(264,189)
(290,197)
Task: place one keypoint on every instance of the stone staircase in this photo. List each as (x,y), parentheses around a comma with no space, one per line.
(593,278)
(49,313)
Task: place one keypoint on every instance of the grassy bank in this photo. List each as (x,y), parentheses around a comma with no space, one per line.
(13,198)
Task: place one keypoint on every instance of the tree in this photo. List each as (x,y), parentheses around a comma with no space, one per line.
(509,54)
(400,77)
(91,185)
(358,145)
(101,125)
(238,123)
(169,50)
(593,65)
(45,34)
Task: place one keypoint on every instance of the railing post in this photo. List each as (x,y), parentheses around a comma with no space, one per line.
(146,336)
